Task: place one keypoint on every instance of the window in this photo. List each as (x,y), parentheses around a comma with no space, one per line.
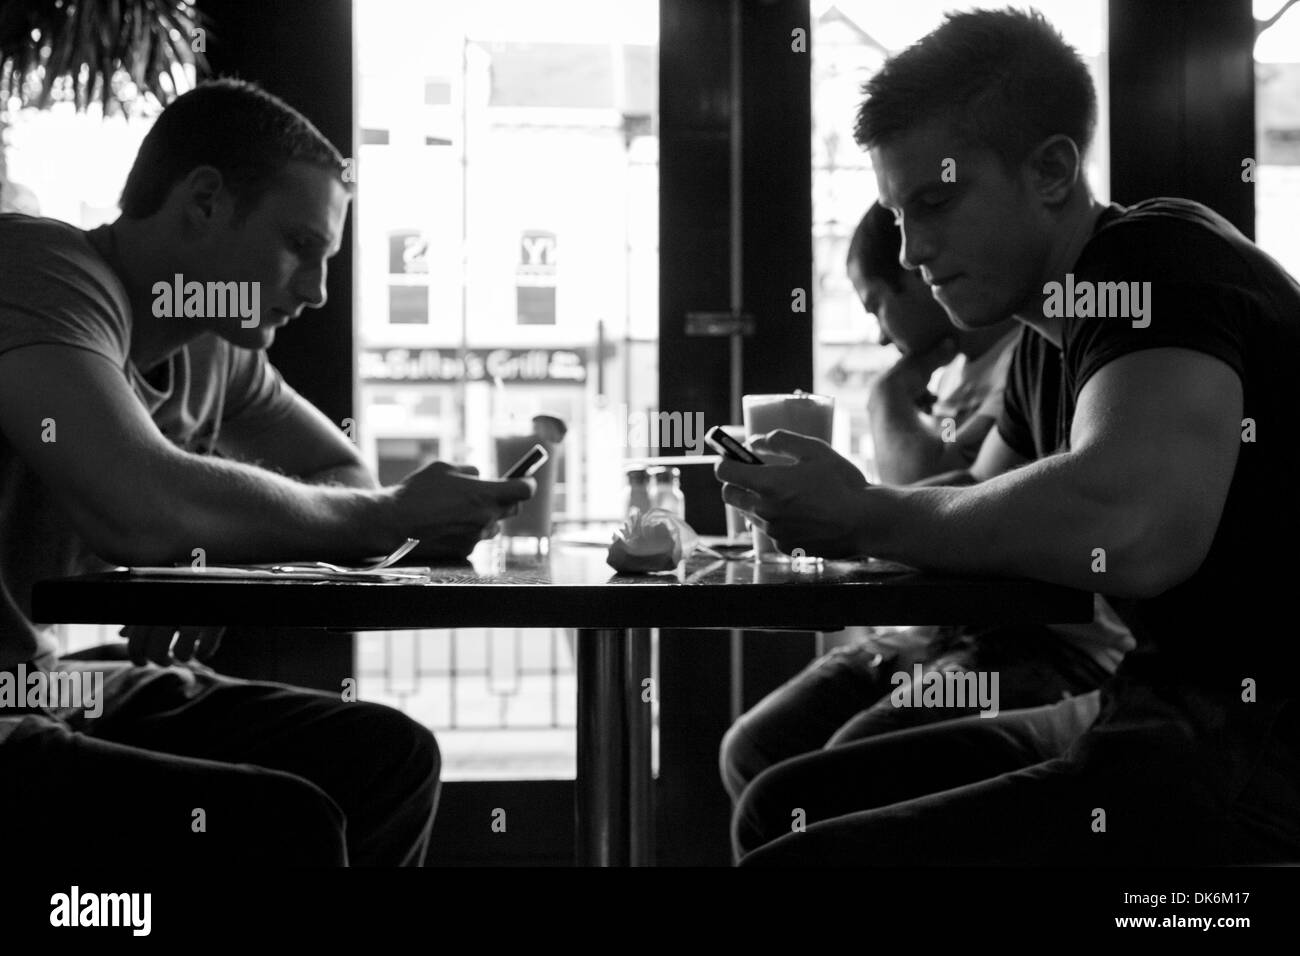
(535,278)
(507,263)
(68,165)
(1277,125)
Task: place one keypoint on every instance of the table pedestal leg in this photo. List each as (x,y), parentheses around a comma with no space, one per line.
(639,723)
(613,785)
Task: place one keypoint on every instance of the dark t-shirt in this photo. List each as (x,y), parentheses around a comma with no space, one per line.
(1229,629)
(1032,401)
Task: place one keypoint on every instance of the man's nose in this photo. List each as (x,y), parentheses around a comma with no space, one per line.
(917,248)
(310,287)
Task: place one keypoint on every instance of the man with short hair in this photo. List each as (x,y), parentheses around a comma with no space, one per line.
(1129,465)
(852,692)
(139,421)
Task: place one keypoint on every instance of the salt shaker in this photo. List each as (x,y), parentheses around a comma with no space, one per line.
(666,491)
(637,493)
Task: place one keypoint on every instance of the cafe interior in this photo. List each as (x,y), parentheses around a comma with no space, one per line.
(601,227)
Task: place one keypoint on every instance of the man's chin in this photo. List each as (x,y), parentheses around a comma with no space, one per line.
(968,317)
(257,337)
(962,324)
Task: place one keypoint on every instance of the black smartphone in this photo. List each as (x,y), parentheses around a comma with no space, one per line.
(728,447)
(527,466)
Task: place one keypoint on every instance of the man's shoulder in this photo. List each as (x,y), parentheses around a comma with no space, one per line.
(1166,210)
(1177,275)
(1170,235)
(36,224)
(21,231)
(57,288)
(31,246)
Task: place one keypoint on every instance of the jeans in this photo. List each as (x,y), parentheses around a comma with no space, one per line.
(187,767)
(1141,775)
(844,696)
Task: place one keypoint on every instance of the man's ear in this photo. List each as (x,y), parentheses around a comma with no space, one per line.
(201,192)
(1056,167)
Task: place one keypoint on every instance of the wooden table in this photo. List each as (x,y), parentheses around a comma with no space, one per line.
(612,614)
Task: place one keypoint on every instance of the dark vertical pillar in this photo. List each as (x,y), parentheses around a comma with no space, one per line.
(1182,103)
(695,119)
(694,241)
(694,154)
(300,50)
(777,115)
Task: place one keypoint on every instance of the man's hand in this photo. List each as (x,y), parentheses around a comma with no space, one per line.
(494,528)
(812,503)
(450,509)
(911,374)
(147,642)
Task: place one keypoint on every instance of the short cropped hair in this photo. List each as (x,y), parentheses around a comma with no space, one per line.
(1005,79)
(875,246)
(237,128)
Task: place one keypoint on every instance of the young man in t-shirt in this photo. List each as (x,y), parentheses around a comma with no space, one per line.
(139,421)
(852,692)
(1159,486)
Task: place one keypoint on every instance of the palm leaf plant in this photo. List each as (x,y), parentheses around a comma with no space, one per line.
(83,51)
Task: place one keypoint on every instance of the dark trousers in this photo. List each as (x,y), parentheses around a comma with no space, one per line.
(1160,777)
(844,696)
(187,767)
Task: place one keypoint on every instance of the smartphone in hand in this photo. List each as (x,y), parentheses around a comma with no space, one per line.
(527,466)
(728,447)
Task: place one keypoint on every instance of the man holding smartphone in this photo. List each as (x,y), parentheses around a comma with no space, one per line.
(1151,488)
(848,694)
(135,432)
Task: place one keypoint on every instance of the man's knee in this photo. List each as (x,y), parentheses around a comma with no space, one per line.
(412,749)
(740,760)
(295,823)
(802,714)
(764,811)
(425,763)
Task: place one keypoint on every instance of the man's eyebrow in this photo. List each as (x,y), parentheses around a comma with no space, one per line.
(318,237)
(911,196)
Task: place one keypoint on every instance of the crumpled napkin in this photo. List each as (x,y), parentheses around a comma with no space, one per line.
(656,540)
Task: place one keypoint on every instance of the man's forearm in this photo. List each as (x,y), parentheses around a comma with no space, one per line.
(907,450)
(237,512)
(1044,521)
(348,475)
(948,479)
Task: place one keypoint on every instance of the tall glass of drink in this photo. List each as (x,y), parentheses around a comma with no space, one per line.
(737,526)
(800,412)
(529,532)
